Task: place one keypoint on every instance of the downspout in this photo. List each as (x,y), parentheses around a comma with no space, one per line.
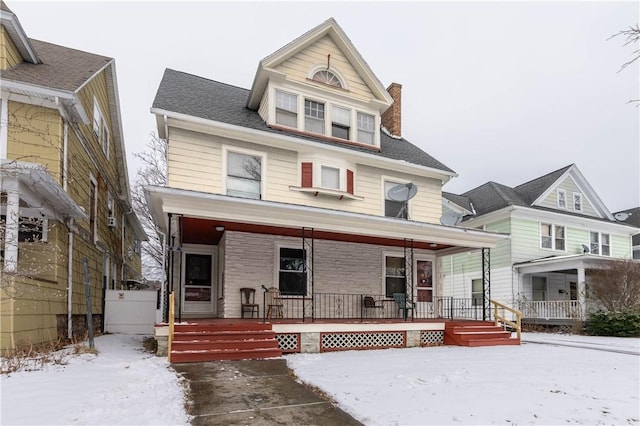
(70,281)
(4,123)
(65,156)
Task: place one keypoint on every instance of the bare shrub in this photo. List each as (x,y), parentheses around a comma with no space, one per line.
(617,286)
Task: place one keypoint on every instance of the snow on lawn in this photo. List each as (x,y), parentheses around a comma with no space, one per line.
(122,385)
(573,380)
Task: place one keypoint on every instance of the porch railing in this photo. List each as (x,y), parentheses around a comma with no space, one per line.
(354,307)
(558,309)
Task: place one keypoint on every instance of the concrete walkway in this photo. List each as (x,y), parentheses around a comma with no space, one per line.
(255,392)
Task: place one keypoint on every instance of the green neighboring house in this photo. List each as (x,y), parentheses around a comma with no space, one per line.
(560,230)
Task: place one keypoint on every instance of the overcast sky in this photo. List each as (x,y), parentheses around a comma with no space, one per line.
(501,91)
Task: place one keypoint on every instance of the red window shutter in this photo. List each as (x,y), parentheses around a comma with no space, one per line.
(350,181)
(307,175)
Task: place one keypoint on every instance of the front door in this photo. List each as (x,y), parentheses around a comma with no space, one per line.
(424,288)
(198,283)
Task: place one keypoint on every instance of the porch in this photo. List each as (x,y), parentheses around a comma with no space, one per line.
(251,338)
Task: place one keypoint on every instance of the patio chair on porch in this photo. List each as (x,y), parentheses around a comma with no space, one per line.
(274,303)
(248,302)
(403,304)
(370,305)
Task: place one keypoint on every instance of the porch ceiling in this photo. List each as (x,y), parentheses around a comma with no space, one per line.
(203,212)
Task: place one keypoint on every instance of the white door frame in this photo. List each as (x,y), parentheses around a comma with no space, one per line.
(205,308)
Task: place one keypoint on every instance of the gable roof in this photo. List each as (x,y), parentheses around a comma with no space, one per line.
(195,96)
(493,196)
(61,68)
(16,32)
(459,200)
(331,28)
(533,189)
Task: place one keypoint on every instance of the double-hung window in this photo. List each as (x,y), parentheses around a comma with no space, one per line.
(395,281)
(313,116)
(600,243)
(340,122)
(366,125)
(552,236)
(292,274)
(476,292)
(286,109)
(244,175)
(100,128)
(562,199)
(577,201)
(393,208)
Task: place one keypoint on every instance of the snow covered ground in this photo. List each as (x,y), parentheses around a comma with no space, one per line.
(122,385)
(576,380)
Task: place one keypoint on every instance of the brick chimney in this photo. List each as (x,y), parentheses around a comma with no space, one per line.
(392,117)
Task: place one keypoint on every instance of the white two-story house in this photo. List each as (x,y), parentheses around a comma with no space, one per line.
(560,230)
(303,183)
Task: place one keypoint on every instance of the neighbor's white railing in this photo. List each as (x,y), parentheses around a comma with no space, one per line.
(557,309)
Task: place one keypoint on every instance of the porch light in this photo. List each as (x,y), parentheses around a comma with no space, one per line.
(219,228)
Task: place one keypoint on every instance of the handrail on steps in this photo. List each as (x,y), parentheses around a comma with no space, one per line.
(172,310)
(501,318)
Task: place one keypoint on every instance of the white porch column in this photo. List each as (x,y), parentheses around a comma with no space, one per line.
(582,293)
(12,224)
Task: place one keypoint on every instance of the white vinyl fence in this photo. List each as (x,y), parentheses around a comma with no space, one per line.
(130,311)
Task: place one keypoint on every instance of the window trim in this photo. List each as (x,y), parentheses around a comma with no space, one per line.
(552,236)
(225,167)
(276,108)
(600,244)
(313,119)
(395,254)
(397,181)
(562,195)
(481,292)
(276,270)
(578,196)
(323,67)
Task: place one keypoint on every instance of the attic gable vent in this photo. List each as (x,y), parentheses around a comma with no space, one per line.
(327,77)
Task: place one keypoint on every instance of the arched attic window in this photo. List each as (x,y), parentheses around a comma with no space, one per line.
(327,77)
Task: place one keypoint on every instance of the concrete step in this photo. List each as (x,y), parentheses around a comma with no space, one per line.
(226,354)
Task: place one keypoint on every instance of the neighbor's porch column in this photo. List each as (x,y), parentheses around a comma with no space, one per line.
(582,293)
(12,225)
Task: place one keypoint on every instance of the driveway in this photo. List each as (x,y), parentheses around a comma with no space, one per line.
(255,392)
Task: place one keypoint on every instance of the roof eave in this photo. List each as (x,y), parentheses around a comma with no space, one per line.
(259,136)
(19,37)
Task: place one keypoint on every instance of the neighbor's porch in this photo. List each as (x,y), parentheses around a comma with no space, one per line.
(553,291)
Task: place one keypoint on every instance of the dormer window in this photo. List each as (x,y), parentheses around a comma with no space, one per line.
(365,128)
(286,109)
(313,116)
(327,77)
(340,122)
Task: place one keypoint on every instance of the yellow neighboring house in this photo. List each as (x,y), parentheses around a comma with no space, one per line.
(65,192)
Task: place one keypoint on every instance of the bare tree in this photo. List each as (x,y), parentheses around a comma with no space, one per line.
(631,36)
(617,286)
(152,172)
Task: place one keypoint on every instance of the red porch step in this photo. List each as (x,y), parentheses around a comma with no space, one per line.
(477,334)
(197,342)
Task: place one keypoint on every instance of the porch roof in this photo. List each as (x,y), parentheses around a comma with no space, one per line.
(562,263)
(40,194)
(274,217)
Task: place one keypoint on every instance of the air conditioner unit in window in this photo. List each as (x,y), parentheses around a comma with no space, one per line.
(111,222)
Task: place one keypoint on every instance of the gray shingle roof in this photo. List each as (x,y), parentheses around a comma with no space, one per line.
(633,220)
(460,200)
(62,68)
(530,191)
(493,196)
(200,97)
